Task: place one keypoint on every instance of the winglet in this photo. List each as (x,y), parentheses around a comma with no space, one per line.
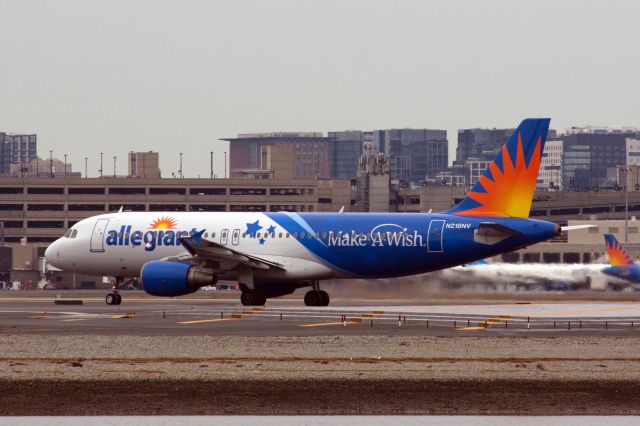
(618,256)
(341,209)
(506,188)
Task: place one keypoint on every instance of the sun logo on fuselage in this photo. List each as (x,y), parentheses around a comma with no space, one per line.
(164,222)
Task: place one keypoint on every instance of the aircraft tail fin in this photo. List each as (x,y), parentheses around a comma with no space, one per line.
(506,188)
(618,256)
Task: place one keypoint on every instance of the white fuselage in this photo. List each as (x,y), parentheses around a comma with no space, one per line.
(119,244)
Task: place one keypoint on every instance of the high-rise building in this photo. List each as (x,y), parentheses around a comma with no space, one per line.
(550,174)
(144,164)
(311,149)
(589,160)
(345,149)
(414,155)
(480,144)
(373,183)
(16,149)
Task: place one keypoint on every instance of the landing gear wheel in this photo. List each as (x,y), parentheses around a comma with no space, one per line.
(111,299)
(252,298)
(246,298)
(316,298)
(118,299)
(311,298)
(324,298)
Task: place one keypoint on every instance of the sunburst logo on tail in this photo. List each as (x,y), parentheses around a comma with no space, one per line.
(164,222)
(508,190)
(617,255)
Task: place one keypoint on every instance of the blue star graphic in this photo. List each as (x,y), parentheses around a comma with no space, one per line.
(261,240)
(252,228)
(271,229)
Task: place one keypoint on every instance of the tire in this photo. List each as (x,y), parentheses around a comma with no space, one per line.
(259,299)
(111,299)
(324,298)
(118,299)
(311,298)
(246,298)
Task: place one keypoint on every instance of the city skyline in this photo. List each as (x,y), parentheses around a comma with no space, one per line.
(121,76)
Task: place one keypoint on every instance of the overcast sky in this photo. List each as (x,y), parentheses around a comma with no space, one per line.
(175,76)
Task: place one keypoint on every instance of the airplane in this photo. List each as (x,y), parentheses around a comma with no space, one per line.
(551,276)
(621,265)
(271,254)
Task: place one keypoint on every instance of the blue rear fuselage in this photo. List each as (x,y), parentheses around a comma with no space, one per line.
(398,244)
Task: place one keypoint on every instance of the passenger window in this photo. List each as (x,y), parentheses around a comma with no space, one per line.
(302,234)
(295,235)
(213,235)
(280,235)
(324,235)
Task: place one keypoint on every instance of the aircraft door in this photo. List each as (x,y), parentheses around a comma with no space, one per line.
(97,236)
(435,241)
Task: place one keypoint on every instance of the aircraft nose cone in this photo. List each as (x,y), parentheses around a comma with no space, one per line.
(52,253)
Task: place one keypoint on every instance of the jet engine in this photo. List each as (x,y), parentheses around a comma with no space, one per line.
(167,278)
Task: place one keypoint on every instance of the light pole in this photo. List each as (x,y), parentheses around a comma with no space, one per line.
(85,167)
(114,166)
(225,164)
(65,165)
(50,163)
(626,204)
(211,165)
(180,171)
(101,164)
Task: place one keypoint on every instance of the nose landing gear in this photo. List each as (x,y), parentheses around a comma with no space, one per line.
(114,297)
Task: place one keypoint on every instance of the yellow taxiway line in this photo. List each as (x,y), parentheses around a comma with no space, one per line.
(353,320)
(205,321)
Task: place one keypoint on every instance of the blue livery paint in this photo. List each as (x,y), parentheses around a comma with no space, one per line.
(621,264)
(398,244)
(162,278)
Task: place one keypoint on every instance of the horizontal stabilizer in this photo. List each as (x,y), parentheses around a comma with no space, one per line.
(575,227)
(492,233)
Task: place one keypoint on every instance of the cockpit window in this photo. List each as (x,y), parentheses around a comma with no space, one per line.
(74,233)
(67,234)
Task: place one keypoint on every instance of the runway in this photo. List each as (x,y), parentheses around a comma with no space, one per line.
(209,355)
(223,315)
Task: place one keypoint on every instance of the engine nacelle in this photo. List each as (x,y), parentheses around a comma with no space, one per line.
(165,278)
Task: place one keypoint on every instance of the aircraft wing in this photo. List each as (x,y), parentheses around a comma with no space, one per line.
(220,257)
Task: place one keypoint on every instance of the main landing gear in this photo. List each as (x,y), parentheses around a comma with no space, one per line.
(316,297)
(253,298)
(114,297)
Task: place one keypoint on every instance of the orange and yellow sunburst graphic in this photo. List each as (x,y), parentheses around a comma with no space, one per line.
(164,222)
(617,255)
(510,192)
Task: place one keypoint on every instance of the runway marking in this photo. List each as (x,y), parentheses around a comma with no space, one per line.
(40,317)
(353,320)
(577,311)
(127,315)
(487,323)
(76,319)
(327,323)
(204,321)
